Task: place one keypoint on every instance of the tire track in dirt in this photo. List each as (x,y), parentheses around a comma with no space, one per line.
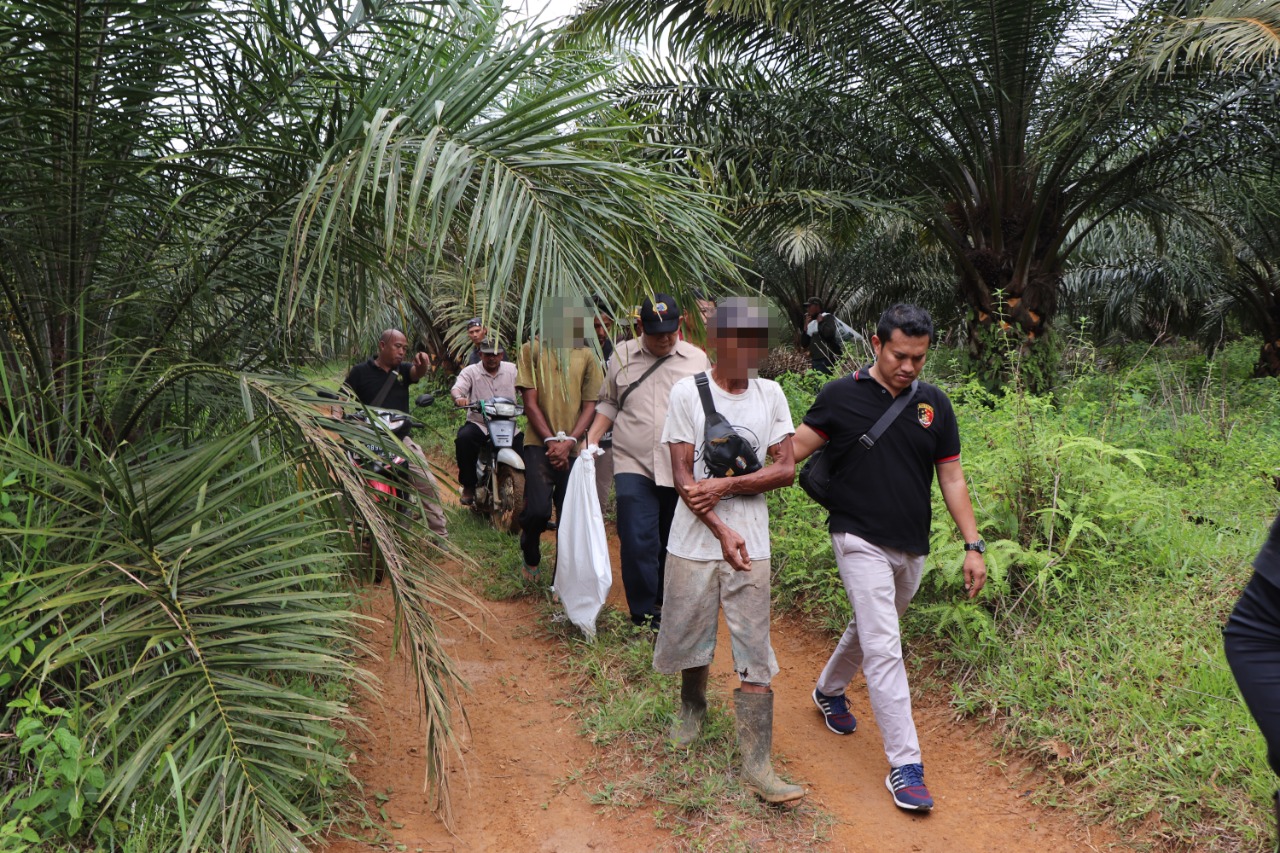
(522,787)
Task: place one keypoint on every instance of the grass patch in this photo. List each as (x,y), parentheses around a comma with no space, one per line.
(626,708)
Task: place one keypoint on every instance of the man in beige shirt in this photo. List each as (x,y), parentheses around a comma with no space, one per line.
(489,379)
(633,403)
(558,381)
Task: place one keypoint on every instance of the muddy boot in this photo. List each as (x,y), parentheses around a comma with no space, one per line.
(693,707)
(753,714)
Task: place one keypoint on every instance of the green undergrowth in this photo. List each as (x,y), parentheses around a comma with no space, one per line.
(1121,515)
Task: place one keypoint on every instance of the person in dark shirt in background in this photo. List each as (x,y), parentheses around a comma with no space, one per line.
(476,332)
(1252,642)
(383,382)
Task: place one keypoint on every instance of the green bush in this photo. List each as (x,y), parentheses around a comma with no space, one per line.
(1121,514)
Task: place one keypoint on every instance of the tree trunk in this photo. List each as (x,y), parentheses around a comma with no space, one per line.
(1011,303)
(1269,357)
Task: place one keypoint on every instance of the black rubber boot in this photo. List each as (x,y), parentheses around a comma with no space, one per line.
(693,706)
(754,719)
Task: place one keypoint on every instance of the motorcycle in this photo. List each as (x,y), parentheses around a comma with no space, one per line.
(499,469)
(388,471)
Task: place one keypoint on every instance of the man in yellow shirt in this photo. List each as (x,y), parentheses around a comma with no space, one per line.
(559,382)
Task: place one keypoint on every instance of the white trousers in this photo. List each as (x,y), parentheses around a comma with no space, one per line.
(880,583)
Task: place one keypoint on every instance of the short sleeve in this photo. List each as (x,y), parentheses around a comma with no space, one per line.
(524,369)
(780,421)
(948,449)
(821,417)
(679,427)
(592,377)
(462,387)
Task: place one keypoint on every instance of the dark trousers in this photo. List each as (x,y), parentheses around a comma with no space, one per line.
(1252,641)
(645,510)
(544,487)
(467,446)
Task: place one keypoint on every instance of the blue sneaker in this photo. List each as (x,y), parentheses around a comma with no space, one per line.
(835,713)
(906,783)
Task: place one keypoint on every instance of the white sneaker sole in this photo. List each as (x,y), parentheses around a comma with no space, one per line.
(888,784)
(830,728)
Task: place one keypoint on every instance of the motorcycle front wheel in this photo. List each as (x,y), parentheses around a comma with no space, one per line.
(508,502)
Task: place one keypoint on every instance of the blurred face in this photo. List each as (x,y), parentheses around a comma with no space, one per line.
(491,361)
(392,349)
(476,333)
(899,359)
(660,345)
(812,311)
(740,351)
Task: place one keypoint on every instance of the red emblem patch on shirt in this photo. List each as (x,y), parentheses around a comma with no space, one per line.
(924,413)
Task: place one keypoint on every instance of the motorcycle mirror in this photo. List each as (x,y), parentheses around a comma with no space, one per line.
(425,399)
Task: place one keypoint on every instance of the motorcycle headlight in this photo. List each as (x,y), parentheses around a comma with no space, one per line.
(504,410)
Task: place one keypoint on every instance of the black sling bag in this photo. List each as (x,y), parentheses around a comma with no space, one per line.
(724,452)
(821,469)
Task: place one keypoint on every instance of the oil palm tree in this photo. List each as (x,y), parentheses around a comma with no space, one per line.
(1008,130)
(200,195)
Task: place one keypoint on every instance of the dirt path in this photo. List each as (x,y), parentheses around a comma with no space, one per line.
(520,788)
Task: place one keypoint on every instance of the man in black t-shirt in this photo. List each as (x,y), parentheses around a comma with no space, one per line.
(1252,641)
(383,382)
(880,528)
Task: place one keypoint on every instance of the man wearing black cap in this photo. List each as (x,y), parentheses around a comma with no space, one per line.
(492,377)
(821,336)
(633,403)
(477,333)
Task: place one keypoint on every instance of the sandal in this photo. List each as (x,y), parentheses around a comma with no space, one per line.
(531,573)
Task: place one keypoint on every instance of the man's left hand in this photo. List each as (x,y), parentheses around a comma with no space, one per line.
(704,495)
(421,362)
(558,454)
(975,572)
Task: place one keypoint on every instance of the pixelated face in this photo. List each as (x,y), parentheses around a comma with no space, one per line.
(564,322)
(476,333)
(742,331)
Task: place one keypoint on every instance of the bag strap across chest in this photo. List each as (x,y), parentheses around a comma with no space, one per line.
(643,376)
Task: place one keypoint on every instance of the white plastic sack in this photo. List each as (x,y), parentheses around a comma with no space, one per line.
(583,574)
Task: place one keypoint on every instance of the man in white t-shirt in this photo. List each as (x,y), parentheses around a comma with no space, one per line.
(718,551)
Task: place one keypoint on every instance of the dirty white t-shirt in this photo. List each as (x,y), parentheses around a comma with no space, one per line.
(761,415)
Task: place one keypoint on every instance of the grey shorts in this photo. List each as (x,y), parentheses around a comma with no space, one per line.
(693,593)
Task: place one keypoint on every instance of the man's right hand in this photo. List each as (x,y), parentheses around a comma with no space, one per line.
(460,401)
(734,548)
(558,454)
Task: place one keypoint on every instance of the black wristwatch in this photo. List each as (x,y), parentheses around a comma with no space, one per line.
(979,546)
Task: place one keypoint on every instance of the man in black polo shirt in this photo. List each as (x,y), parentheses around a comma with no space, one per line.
(880,530)
(383,382)
(1252,640)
